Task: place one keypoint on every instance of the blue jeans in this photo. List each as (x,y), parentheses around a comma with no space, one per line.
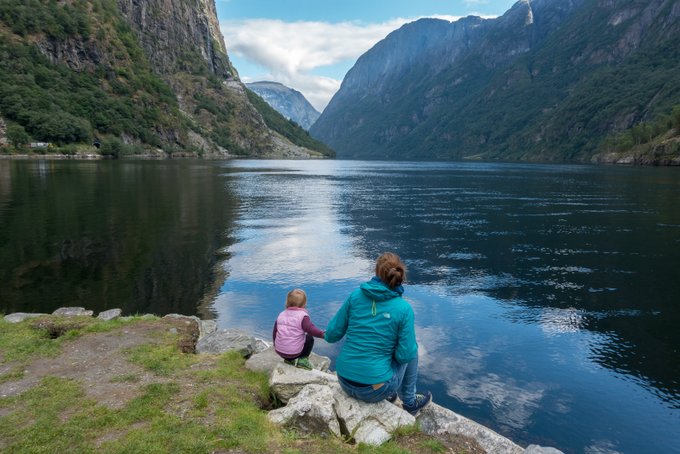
(403,382)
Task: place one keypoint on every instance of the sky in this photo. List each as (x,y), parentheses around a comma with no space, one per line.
(309,45)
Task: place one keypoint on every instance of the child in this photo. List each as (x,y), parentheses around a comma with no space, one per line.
(294,331)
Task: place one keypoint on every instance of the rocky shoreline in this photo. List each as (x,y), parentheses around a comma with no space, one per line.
(314,402)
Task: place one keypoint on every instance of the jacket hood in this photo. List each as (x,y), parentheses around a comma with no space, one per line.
(377,290)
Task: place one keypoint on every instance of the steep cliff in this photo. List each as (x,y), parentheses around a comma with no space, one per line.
(548,80)
(151,73)
(288,102)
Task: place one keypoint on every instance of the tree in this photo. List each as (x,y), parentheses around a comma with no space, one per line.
(17,135)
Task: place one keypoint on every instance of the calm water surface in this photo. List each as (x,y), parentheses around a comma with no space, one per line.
(546,297)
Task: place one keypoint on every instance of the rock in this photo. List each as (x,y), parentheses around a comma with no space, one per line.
(536,449)
(261,345)
(206,327)
(226,340)
(111,314)
(326,409)
(310,412)
(17,317)
(372,424)
(286,381)
(267,360)
(435,420)
(73,312)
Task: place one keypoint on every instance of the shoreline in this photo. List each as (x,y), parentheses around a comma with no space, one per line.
(436,421)
(597,160)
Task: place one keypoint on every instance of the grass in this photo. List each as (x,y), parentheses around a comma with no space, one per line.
(33,338)
(177,402)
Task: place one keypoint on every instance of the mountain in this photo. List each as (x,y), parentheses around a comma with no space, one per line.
(150,74)
(549,80)
(288,102)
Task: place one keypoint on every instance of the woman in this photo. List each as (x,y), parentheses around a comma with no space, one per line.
(379,359)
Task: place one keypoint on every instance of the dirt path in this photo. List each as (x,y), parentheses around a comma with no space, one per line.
(100,363)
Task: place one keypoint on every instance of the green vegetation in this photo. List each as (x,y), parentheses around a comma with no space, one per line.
(44,336)
(287,128)
(178,403)
(53,103)
(580,81)
(76,72)
(647,132)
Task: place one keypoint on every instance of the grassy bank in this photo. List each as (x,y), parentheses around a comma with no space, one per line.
(81,385)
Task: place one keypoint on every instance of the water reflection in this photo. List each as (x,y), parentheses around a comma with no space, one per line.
(544,295)
(142,236)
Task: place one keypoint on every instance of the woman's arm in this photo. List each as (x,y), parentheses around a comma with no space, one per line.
(337,327)
(407,348)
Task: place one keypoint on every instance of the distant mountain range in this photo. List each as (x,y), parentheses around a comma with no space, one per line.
(550,80)
(288,102)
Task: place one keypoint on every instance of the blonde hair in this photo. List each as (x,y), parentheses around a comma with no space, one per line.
(296,298)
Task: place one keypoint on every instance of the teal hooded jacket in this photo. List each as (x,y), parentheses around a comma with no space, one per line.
(379,326)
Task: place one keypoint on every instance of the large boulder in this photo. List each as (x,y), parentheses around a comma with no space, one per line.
(111,314)
(286,381)
(267,360)
(435,420)
(205,327)
(17,317)
(372,424)
(325,409)
(226,340)
(73,312)
(309,412)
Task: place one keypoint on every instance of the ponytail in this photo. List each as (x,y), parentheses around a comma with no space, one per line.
(390,269)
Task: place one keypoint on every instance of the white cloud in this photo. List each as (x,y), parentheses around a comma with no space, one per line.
(290,51)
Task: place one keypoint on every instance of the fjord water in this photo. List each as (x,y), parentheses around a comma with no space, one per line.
(546,297)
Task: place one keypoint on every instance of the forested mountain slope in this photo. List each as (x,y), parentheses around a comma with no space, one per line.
(548,80)
(150,75)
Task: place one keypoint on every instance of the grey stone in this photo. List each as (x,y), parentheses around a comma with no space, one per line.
(206,327)
(370,423)
(536,449)
(309,412)
(111,314)
(435,419)
(187,318)
(226,340)
(286,381)
(261,345)
(73,312)
(17,317)
(267,360)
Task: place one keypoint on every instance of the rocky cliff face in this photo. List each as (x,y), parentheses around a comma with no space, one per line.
(288,102)
(183,42)
(154,73)
(173,32)
(548,80)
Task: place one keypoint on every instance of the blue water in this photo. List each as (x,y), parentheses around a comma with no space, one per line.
(546,297)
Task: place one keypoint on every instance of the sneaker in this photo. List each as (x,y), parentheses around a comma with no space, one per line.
(392,398)
(302,363)
(419,403)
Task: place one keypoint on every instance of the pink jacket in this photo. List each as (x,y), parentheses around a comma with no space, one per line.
(290,337)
